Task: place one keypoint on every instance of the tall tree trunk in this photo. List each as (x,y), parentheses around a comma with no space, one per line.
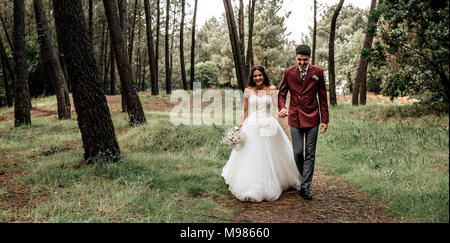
(143,72)
(62,61)
(242,34)
(166,44)
(138,58)
(107,61)
(331,69)
(6,67)
(172,38)
(123,17)
(91,20)
(22,100)
(51,61)
(5,80)
(235,45)
(151,50)
(123,20)
(158,35)
(194,21)
(94,118)
(102,47)
(131,41)
(182,63)
(250,62)
(246,68)
(360,88)
(138,68)
(112,71)
(134,106)
(314,34)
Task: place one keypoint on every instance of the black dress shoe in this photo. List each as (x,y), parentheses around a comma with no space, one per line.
(305,194)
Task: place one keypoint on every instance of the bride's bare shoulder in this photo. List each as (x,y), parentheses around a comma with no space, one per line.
(272,87)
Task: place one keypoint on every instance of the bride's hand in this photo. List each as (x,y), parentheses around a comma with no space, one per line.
(283,113)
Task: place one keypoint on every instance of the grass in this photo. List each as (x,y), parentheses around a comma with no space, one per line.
(166,173)
(172,174)
(401,161)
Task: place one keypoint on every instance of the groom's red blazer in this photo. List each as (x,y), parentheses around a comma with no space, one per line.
(303,106)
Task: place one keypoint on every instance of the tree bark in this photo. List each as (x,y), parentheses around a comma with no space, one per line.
(6,70)
(107,61)
(123,17)
(250,62)
(5,80)
(172,38)
(51,61)
(22,100)
(134,106)
(62,61)
(102,47)
(241,28)
(94,118)
(359,88)
(138,68)
(313,61)
(151,50)
(131,41)
(156,53)
(138,58)
(166,44)
(112,71)
(237,55)
(182,63)
(143,72)
(91,20)
(194,21)
(331,69)
(246,67)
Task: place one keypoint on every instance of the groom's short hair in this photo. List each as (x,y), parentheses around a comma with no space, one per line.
(303,50)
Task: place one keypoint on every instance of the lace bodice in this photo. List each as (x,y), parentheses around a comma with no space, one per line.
(262,105)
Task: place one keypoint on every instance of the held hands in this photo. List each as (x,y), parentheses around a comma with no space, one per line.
(283,113)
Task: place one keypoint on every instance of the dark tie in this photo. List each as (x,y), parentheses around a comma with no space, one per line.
(303,74)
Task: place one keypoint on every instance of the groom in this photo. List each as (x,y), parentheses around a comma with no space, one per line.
(306,115)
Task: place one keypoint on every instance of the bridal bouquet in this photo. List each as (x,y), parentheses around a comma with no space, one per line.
(235,138)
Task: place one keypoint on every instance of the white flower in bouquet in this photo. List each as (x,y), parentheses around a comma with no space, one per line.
(234,137)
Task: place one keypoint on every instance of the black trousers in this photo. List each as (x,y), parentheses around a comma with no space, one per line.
(304,142)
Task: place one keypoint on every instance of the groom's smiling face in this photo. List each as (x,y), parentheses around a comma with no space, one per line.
(302,61)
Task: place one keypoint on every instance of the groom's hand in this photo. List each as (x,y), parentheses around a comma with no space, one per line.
(323,128)
(283,113)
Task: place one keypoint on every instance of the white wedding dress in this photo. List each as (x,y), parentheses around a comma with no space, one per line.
(264,167)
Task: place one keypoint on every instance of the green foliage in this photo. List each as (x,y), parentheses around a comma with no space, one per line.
(207,73)
(270,44)
(414,48)
(350,33)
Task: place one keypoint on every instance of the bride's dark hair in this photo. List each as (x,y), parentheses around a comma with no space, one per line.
(251,81)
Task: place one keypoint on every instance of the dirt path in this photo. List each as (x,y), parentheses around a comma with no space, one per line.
(335,201)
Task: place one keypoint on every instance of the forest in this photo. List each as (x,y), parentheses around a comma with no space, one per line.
(84,83)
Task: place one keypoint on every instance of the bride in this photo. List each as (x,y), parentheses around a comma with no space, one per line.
(264,167)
